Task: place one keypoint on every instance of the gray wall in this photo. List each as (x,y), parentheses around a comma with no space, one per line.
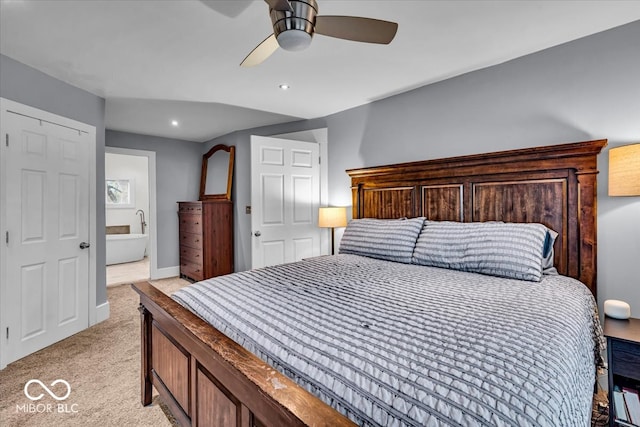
(26,85)
(583,90)
(178,166)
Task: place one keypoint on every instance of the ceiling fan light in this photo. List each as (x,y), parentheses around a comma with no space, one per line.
(294,40)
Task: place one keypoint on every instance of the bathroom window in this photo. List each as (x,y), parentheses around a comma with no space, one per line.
(120,193)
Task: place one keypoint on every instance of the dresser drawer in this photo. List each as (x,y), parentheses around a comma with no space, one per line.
(626,359)
(191,240)
(191,270)
(190,208)
(191,255)
(190,223)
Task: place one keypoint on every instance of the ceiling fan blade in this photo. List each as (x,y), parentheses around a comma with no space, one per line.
(261,52)
(281,5)
(357,29)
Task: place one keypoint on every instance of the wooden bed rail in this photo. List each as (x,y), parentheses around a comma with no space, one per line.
(206,379)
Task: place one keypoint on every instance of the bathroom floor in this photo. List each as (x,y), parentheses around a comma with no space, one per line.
(129,272)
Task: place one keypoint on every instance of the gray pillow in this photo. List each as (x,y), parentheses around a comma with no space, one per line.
(387,239)
(519,251)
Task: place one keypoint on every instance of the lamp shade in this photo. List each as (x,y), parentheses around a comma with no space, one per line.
(332,217)
(624,170)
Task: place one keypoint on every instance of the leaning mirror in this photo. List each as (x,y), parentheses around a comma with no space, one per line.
(217,173)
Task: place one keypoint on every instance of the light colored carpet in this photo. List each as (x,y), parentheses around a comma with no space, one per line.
(117,274)
(102,365)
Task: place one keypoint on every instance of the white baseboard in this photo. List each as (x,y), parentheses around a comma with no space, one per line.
(102,312)
(163,273)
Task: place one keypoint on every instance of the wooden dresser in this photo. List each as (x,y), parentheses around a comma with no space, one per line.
(206,238)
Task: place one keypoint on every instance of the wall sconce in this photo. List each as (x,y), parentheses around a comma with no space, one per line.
(624,170)
(332,218)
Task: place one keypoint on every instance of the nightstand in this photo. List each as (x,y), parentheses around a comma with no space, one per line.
(623,357)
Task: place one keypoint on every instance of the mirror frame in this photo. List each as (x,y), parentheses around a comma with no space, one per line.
(203,176)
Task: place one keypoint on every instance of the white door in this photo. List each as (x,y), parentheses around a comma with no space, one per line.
(285,196)
(46,283)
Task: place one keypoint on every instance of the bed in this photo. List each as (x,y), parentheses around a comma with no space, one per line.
(207,378)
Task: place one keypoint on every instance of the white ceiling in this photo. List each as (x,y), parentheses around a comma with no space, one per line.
(154,61)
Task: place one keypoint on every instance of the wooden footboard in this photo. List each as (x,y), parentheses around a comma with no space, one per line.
(206,379)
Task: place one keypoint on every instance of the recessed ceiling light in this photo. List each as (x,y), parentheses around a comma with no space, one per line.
(284,86)
(174,123)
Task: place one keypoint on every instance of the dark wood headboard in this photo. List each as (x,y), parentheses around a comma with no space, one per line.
(553,185)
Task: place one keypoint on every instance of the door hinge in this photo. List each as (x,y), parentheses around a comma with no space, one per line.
(6,139)
(6,237)
(319,160)
(7,332)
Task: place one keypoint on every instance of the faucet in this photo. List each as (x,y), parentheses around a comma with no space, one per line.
(143,224)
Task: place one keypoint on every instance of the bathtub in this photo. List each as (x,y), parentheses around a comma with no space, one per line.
(125,247)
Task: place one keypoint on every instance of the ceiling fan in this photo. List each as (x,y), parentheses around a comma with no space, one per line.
(295,22)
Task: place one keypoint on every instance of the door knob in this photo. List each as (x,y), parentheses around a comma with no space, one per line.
(257,234)
(84,245)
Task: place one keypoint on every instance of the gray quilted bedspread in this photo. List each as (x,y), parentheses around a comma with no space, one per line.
(399,344)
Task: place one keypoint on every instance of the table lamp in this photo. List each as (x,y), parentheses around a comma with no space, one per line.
(332,217)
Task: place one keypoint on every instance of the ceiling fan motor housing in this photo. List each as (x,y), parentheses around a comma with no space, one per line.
(294,29)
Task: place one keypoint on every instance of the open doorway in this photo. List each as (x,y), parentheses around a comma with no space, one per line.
(130,215)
